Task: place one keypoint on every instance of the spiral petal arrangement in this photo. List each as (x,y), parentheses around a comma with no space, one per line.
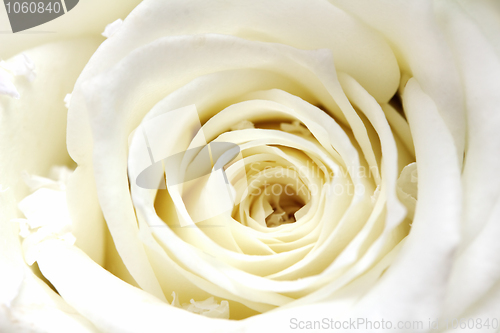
(274,170)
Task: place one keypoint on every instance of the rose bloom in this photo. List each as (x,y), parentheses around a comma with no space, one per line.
(256,166)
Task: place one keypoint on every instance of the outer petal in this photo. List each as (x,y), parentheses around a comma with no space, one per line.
(11,259)
(486,15)
(109,303)
(413,287)
(90,17)
(38,308)
(422,52)
(476,274)
(40,113)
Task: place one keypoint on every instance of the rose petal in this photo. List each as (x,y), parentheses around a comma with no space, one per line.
(40,113)
(37,306)
(480,67)
(422,52)
(11,259)
(109,303)
(413,288)
(83,21)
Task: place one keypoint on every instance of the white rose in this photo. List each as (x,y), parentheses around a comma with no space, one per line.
(289,96)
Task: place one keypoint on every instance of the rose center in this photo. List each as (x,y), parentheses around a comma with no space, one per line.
(275,194)
(284,202)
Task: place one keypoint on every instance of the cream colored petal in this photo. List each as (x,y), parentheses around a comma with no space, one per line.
(37,114)
(6,86)
(413,287)
(85,20)
(407,188)
(37,308)
(486,15)
(11,259)
(475,275)
(422,51)
(479,67)
(400,127)
(109,303)
(40,113)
